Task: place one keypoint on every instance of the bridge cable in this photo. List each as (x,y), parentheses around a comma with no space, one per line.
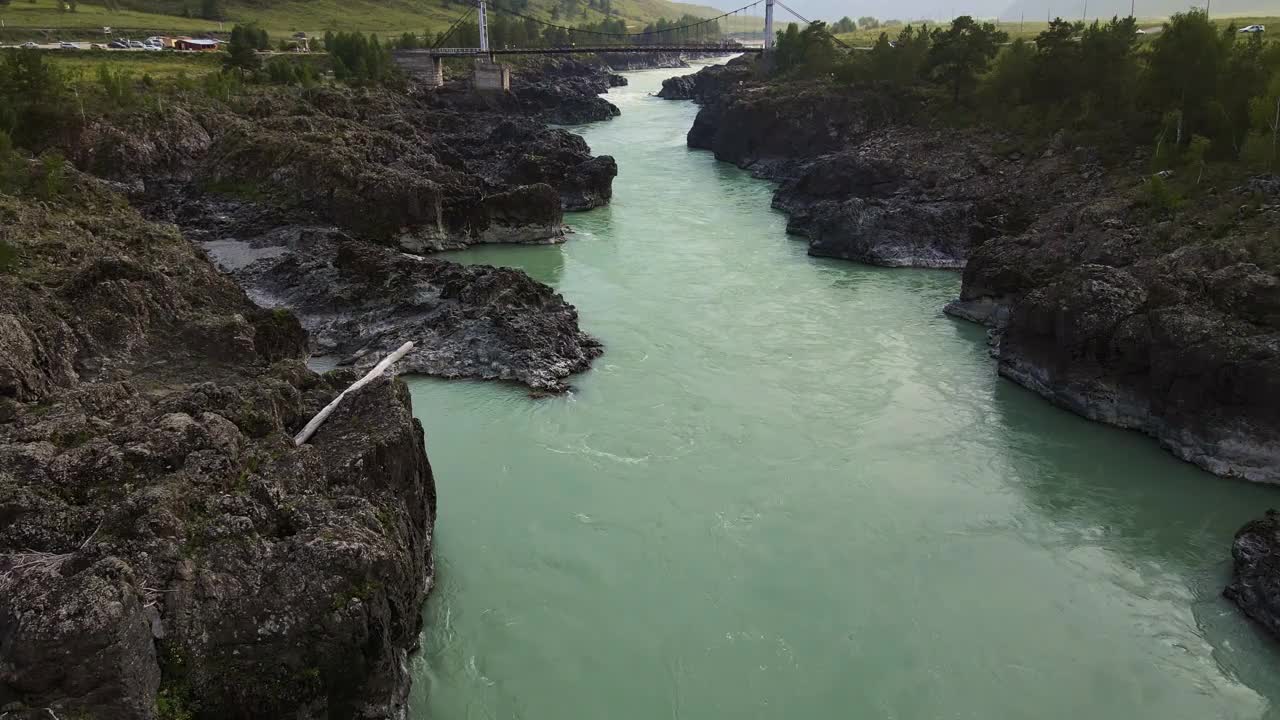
(452,28)
(802,18)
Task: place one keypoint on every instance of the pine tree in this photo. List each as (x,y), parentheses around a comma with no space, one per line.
(241,51)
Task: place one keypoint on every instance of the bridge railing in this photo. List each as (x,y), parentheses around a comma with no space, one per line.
(688,47)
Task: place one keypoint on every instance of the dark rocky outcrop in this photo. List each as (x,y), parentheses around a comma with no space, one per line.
(165,549)
(565,90)
(426,172)
(358,301)
(331,185)
(1255,575)
(623,62)
(1150,326)
(854,188)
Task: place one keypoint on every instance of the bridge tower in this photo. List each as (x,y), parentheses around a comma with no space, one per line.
(489,76)
(482,18)
(768,26)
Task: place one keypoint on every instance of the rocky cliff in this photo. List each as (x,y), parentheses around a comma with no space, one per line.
(1097,301)
(1167,327)
(853,182)
(165,549)
(425,172)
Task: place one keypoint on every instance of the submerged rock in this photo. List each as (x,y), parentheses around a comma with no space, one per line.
(1255,574)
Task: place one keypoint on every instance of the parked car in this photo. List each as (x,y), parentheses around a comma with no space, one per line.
(29,45)
(136,45)
(64,45)
(156,48)
(1254,29)
(118,45)
(96,46)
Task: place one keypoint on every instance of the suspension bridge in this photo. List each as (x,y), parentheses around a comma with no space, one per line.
(489,75)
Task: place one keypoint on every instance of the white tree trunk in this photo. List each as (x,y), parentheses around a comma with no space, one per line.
(377,370)
(1275,132)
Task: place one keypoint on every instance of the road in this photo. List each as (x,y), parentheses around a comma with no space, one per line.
(80,46)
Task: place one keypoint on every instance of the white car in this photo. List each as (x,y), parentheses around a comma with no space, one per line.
(1254,29)
(29,45)
(64,45)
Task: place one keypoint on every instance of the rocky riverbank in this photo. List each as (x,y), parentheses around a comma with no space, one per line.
(1161,326)
(166,550)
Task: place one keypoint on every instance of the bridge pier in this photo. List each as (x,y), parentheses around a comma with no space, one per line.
(422,65)
(491,76)
(435,77)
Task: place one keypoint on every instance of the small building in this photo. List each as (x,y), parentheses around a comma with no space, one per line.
(195,44)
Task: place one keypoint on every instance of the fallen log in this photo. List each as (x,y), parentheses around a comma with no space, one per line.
(377,370)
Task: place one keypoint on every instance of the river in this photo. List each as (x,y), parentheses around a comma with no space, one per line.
(793,488)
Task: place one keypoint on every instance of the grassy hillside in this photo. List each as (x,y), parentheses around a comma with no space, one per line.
(42,18)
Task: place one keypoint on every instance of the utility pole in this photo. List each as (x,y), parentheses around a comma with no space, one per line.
(1022,21)
(1085,12)
(483,19)
(1131,3)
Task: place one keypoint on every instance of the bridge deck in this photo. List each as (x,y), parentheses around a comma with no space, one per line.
(584,49)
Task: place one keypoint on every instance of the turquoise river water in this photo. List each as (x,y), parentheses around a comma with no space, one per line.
(793,488)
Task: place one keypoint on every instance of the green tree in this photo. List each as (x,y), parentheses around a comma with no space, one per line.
(1107,76)
(1249,65)
(1264,112)
(961,51)
(867,22)
(809,52)
(359,59)
(242,52)
(211,9)
(1011,79)
(1183,70)
(35,97)
(116,84)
